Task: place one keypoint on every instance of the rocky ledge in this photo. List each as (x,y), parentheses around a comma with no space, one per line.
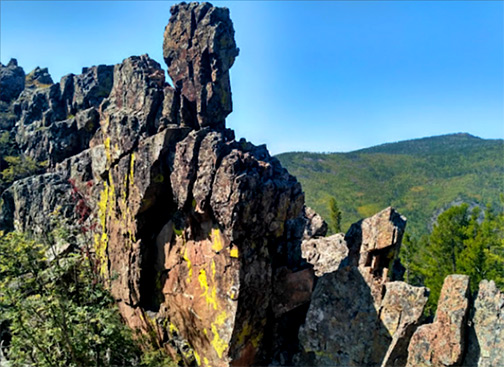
(205,241)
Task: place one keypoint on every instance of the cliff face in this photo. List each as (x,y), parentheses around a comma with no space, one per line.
(205,241)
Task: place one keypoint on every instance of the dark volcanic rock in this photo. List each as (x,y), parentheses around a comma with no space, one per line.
(199,49)
(12,81)
(89,88)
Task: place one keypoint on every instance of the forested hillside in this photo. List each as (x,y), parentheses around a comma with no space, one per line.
(420,177)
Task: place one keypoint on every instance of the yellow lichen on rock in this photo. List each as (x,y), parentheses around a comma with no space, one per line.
(218,343)
(234,252)
(211,299)
(189,266)
(217,243)
(101,241)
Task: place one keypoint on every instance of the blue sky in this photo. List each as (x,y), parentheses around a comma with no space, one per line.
(311,76)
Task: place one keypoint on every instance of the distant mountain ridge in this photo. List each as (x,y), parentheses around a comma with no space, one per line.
(420,177)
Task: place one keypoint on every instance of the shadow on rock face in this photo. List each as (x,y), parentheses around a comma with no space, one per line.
(349,332)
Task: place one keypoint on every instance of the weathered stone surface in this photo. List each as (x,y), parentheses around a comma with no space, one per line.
(199,49)
(40,104)
(325,254)
(442,343)
(401,313)
(29,203)
(486,336)
(315,225)
(356,316)
(349,331)
(38,77)
(87,89)
(59,140)
(12,81)
(374,245)
(130,112)
(291,289)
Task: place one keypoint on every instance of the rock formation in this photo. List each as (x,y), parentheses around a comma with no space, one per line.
(205,241)
(486,334)
(442,342)
(371,319)
(12,81)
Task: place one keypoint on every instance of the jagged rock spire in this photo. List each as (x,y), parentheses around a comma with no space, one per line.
(199,49)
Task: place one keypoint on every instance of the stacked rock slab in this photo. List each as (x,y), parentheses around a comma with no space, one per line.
(357,316)
(442,343)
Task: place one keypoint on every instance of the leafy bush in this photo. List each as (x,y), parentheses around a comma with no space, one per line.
(58,311)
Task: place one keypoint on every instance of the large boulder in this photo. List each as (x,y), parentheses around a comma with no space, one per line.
(38,78)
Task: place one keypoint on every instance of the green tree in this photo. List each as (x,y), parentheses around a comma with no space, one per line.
(334,216)
(410,258)
(463,242)
(483,254)
(446,243)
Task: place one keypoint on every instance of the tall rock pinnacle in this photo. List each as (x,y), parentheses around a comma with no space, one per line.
(199,49)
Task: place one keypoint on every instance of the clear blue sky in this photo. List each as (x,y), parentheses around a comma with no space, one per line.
(311,76)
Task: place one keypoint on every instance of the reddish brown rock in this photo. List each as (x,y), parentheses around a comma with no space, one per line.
(401,313)
(442,343)
(199,49)
(292,289)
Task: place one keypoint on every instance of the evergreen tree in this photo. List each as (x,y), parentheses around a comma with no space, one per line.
(410,258)
(335,216)
(461,242)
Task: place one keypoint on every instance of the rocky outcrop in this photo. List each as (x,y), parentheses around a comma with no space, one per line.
(370,319)
(325,254)
(205,241)
(191,225)
(38,77)
(12,81)
(199,49)
(401,313)
(442,343)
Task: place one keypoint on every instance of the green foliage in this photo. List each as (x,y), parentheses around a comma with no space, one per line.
(157,358)
(420,178)
(59,312)
(334,216)
(461,242)
(410,258)
(19,167)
